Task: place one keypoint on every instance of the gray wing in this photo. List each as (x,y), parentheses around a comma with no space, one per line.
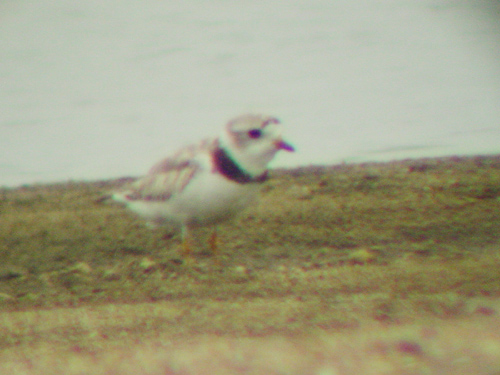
(168,177)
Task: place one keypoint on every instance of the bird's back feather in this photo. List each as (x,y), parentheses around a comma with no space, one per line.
(169,176)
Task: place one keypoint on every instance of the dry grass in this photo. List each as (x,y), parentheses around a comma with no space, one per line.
(381,248)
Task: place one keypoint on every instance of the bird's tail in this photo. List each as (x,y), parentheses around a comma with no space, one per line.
(104,199)
(116,197)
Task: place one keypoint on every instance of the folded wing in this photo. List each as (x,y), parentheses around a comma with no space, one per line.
(168,177)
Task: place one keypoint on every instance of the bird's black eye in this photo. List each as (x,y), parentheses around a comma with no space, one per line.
(254,133)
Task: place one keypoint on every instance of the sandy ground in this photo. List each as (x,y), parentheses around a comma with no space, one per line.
(388,268)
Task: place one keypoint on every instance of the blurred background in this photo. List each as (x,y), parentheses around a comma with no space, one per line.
(94,89)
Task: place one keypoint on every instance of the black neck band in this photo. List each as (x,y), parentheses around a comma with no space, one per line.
(227,167)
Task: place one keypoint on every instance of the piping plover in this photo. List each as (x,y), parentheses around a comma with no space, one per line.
(207,183)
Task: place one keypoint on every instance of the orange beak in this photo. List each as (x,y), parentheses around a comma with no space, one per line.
(282,145)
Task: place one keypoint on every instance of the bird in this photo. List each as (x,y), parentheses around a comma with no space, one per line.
(207,183)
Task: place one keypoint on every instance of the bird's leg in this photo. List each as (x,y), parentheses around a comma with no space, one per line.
(212,242)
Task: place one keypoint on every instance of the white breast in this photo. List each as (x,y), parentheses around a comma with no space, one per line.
(211,198)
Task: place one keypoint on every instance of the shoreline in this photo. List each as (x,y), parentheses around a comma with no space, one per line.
(280,170)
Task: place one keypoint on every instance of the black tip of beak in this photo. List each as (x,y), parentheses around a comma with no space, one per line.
(282,145)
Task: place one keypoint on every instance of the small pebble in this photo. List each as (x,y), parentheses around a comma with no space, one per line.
(408,347)
(300,192)
(362,256)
